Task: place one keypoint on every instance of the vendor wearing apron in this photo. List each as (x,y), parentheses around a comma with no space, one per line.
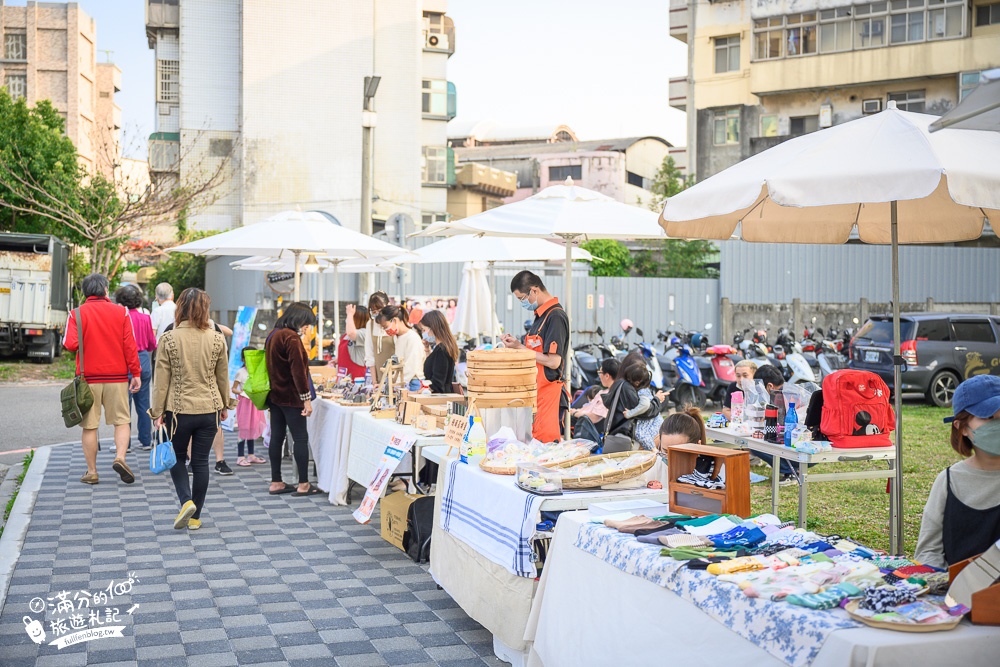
(962,515)
(548,337)
(379,346)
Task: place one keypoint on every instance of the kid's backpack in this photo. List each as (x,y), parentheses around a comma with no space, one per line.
(856,410)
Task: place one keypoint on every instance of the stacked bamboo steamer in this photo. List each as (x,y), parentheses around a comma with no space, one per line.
(502,378)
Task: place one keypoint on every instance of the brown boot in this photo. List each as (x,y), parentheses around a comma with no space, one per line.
(120,467)
(89,478)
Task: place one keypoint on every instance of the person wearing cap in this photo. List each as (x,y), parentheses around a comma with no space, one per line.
(962,515)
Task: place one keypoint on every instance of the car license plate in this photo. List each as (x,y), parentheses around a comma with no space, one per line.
(872,356)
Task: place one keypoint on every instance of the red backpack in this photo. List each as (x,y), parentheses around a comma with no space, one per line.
(856,410)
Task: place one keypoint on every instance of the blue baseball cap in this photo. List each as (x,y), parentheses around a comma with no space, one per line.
(979,396)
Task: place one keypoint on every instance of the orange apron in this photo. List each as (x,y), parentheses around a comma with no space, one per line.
(546,427)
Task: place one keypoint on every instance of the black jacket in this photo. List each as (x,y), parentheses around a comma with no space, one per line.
(439,370)
(628,399)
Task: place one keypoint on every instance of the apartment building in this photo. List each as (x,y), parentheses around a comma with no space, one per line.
(276,89)
(763,71)
(49,53)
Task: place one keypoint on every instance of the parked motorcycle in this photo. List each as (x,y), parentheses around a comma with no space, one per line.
(721,372)
(689,386)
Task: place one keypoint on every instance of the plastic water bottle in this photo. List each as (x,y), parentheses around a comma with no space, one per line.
(477,439)
(736,409)
(791,421)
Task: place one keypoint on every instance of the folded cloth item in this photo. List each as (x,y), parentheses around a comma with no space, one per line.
(673,518)
(817,546)
(654,538)
(639,532)
(762,520)
(884,598)
(910,570)
(937,582)
(648,525)
(740,536)
(742,564)
(698,520)
(630,524)
(828,599)
(678,541)
(689,553)
(703,563)
(890,562)
(717,527)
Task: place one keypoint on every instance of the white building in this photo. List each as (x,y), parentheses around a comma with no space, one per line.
(278,87)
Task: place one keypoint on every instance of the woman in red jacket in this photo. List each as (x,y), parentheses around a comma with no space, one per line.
(290,397)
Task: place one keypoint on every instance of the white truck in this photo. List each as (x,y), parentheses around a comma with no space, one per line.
(35,295)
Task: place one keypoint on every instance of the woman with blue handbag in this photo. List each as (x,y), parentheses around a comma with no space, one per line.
(190,397)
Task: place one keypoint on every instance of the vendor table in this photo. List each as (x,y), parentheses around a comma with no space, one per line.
(589,612)
(489,592)
(330,439)
(804,460)
(369,436)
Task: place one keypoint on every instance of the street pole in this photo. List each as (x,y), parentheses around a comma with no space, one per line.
(368,120)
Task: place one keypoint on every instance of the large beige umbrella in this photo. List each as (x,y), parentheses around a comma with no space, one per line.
(884,176)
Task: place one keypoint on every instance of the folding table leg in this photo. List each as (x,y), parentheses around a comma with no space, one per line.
(803,474)
(775,476)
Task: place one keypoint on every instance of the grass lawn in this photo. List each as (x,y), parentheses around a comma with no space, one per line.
(20,370)
(860,508)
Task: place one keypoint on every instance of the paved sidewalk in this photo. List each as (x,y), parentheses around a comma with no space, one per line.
(270,580)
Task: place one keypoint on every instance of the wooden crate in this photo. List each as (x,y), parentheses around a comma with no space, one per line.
(696,501)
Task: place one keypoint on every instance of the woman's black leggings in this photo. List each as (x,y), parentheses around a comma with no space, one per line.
(285,418)
(199,432)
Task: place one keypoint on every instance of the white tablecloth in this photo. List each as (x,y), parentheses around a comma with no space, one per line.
(486,591)
(632,621)
(369,436)
(330,439)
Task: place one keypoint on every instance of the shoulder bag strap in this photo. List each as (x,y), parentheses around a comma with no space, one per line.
(79,338)
(611,410)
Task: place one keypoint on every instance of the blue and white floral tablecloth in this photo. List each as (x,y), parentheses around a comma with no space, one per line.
(790,633)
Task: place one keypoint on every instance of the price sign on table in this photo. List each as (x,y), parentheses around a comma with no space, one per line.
(398,446)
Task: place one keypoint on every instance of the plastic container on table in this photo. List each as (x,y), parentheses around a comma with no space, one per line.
(539,480)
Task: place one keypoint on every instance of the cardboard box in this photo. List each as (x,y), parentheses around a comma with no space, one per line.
(393,509)
(436,410)
(428,422)
(324,372)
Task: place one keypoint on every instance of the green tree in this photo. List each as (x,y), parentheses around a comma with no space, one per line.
(674,258)
(616,258)
(33,148)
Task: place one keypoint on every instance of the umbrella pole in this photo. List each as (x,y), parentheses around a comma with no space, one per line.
(569,324)
(319,311)
(495,322)
(896,530)
(298,269)
(336,302)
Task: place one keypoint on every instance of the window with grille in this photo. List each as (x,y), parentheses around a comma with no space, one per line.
(561,173)
(800,36)
(17,85)
(967,82)
(835,30)
(428,219)
(988,14)
(434,98)
(767,38)
(727,54)
(726,127)
(168,81)
(435,164)
(911,100)
(15,46)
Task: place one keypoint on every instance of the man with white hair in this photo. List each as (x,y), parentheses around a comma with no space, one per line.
(163,316)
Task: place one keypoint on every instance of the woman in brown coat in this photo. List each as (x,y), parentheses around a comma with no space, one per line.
(290,398)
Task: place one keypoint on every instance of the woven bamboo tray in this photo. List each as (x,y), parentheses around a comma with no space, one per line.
(512,469)
(613,477)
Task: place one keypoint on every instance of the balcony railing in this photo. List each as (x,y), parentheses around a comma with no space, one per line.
(164,152)
(488,179)
(678,93)
(679,20)
(441,41)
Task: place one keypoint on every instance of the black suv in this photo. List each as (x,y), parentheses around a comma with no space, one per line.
(940,350)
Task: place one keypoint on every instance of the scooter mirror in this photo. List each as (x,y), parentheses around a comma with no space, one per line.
(639,331)
(708,327)
(600,331)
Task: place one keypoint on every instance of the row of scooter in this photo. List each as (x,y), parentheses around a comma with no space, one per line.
(690,371)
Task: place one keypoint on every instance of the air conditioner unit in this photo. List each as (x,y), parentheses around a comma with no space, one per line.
(436,40)
(871,106)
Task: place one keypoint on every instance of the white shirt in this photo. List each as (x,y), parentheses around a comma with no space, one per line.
(240,380)
(163,317)
(410,351)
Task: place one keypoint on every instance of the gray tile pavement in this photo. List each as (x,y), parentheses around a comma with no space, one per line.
(269,580)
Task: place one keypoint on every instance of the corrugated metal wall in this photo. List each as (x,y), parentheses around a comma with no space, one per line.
(780,272)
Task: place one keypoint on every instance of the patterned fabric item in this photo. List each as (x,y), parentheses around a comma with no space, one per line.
(794,635)
(885,598)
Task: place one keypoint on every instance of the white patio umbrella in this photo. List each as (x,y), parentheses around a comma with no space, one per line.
(980,110)
(480,248)
(567,213)
(885,176)
(475,315)
(321,265)
(293,233)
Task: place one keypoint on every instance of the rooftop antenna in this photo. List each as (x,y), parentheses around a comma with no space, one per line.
(107,54)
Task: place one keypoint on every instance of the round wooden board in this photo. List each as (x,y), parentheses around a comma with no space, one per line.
(491,388)
(504,395)
(487,403)
(500,354)
(852,607)
(502,366)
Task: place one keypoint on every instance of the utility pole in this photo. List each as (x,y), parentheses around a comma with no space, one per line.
(368,120)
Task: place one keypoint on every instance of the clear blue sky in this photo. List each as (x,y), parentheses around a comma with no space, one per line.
(599,66)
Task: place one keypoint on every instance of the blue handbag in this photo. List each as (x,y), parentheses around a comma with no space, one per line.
(162,458)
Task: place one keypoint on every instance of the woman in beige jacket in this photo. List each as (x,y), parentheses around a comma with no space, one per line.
(190,397)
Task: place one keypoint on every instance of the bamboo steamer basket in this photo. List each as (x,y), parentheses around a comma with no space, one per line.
(502,378)
(611,477)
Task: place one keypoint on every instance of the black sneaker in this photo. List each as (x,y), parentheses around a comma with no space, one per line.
(222,468)
(705,465)
(788,480)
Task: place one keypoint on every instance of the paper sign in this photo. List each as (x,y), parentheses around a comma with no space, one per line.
(590,302)
(398,446)
(454,430)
